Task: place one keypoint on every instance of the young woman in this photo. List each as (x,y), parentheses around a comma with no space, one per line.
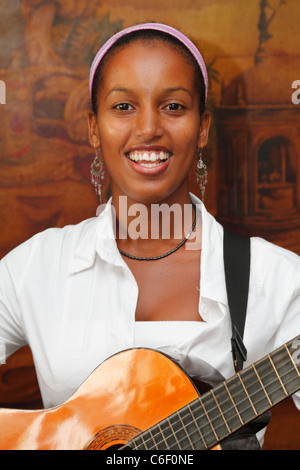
(149,270)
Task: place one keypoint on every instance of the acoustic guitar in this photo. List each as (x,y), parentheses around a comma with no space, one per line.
(141,399)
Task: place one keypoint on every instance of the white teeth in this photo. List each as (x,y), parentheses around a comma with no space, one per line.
(149,165)
(150,157)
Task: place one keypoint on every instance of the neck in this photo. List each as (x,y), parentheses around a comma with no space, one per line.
(148,229)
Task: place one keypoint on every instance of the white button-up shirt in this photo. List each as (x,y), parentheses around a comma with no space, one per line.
(69,294)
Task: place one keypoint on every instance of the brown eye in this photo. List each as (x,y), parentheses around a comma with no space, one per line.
(174,107)
(123,107)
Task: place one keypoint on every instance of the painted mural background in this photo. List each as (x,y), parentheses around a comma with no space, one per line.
(46,48)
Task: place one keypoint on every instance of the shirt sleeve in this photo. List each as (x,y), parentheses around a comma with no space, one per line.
(11,332)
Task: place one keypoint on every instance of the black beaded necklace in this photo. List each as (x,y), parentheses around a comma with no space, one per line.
(153,258)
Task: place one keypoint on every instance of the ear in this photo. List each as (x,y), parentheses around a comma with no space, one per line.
(204,129)
(94,137)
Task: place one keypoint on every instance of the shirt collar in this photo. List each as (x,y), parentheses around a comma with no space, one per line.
(106,245)
(98,236)
(212,281)
(84,253)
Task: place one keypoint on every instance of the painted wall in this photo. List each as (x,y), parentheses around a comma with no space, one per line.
(45,52)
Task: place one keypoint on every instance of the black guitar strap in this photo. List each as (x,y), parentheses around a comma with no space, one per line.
(237,272)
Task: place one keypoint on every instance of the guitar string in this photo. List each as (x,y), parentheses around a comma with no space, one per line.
(222,403)
(200,438)
(203,415)
(201,408)
(207,424)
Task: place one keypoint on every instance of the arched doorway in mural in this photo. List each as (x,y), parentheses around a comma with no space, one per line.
(276,177)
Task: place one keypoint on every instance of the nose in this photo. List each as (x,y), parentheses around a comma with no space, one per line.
(148,124)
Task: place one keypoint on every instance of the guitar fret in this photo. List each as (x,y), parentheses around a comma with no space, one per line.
(292,360)
(254,388)
(270,380)
(241,400)
(247,394)
(167,440)
(191,445)
(230,414)
(134,444)
(278,376)
(174,434)
(262,385)
(198,428)
(220,410)
(143,442)
(157,438)
(215,418)
(234,405)
(180,431)
(164,442)
(191,417)
(286,370)
(152,438)
(139,442)
(209,421)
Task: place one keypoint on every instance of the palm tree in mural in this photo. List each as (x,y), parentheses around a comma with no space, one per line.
(78,40)
(267,14)
(213,75)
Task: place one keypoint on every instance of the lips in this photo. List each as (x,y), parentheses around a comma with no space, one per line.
(150,161)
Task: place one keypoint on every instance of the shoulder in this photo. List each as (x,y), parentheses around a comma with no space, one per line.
(273,254)
(274,265)
(51,244)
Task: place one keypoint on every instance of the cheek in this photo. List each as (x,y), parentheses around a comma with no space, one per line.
(108,129)
(186,138)
(112,137)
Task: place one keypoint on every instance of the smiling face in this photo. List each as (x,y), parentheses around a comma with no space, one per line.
(148,122)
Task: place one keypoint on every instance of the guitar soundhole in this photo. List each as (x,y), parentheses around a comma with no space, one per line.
(113,437)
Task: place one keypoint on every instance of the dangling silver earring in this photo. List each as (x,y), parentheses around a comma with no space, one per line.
(97,173)
(201,173)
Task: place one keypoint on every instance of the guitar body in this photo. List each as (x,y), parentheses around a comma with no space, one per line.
(127,394)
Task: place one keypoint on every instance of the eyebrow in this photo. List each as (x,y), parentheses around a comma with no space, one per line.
(179,88)
(118,89)
(168,90)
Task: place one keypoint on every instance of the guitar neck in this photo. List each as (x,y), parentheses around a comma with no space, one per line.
(235,402)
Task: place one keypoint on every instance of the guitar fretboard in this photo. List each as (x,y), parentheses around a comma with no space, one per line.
(223,410)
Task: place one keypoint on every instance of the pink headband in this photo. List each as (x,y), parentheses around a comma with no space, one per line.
(159,27)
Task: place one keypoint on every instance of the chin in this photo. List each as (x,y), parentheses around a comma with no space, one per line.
(155,193)
(152,197)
